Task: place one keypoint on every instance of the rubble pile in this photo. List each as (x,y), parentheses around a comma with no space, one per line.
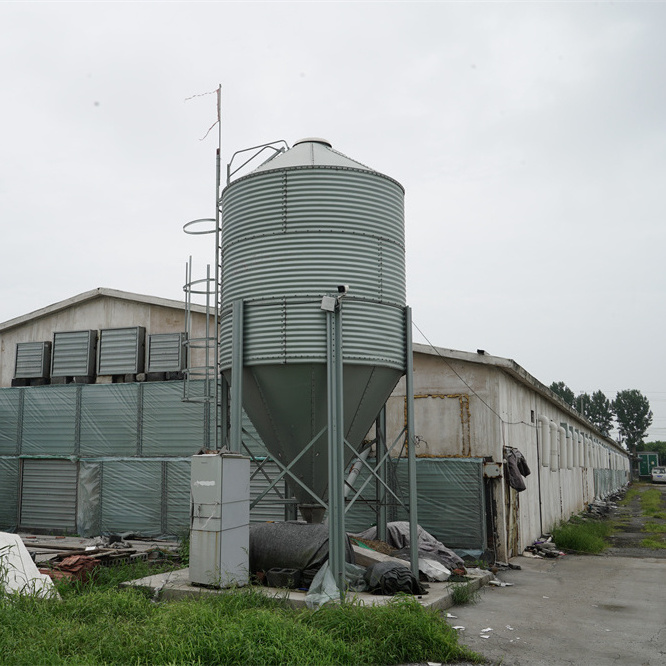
(543,547)
(602,507)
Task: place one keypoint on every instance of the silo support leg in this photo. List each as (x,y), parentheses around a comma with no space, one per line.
(236,407)
(336,447)
(411,453)
(381,464)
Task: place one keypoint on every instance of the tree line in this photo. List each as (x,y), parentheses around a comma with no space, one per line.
(658,447)
(630,411)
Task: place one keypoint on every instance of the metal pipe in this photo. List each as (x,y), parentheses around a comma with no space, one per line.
(355,471)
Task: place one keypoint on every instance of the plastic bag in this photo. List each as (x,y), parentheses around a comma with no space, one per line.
(433,570)
(324,589)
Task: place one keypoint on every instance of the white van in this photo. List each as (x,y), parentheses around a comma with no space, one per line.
(659,475)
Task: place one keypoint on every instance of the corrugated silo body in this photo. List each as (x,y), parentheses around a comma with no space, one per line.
(292,230)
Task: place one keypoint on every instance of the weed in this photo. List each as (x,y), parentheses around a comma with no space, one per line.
(654,527)
(651,502)
(652,543)
(184,549)
(585,537)
(464,593)
(631,493)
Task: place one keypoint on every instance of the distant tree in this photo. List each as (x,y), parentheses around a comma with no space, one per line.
(633,416)
(561,389)
(658,446)
(599,412)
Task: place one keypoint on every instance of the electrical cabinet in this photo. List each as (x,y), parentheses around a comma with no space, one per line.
(220,519)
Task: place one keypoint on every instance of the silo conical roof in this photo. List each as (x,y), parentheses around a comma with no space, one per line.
(311,152)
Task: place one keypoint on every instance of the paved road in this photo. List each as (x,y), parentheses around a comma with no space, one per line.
(587,610)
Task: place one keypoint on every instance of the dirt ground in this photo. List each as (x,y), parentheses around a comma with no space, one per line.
(632,527)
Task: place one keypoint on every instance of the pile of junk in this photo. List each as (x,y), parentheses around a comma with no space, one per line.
(294,555)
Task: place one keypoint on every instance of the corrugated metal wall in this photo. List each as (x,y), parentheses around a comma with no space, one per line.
(99,458)
(108,458)
(48,495)
(10,409)
(9,487)
(607,481)
(118,457)
(451,501)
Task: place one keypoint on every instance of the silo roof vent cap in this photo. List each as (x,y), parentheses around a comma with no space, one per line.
(314,139)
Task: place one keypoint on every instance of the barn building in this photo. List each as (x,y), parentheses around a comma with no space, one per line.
(98,423)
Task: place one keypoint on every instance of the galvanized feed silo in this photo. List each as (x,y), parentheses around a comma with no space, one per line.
(292,230)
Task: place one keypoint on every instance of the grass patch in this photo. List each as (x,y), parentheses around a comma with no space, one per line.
(652,543)
(97,623)
(583,537)
(661,515)
(630,495)
(464,593)
(651,502)
(654,527)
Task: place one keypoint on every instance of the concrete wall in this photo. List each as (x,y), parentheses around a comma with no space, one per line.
(95,313)
(469,405)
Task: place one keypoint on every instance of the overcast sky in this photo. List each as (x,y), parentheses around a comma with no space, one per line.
(530,139)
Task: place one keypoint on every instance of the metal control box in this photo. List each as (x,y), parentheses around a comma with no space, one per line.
(220,520)
(492,470)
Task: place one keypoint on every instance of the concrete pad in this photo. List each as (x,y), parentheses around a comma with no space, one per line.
(578,609)
(176,585)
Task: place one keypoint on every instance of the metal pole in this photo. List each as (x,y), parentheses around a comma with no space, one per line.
(219,404)
(380,450)
(336,505)
(411,442)
(236,415)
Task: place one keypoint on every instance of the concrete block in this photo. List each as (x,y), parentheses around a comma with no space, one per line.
(104,379)
(60,380)
(128,379)
(141,377)
(84,380)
